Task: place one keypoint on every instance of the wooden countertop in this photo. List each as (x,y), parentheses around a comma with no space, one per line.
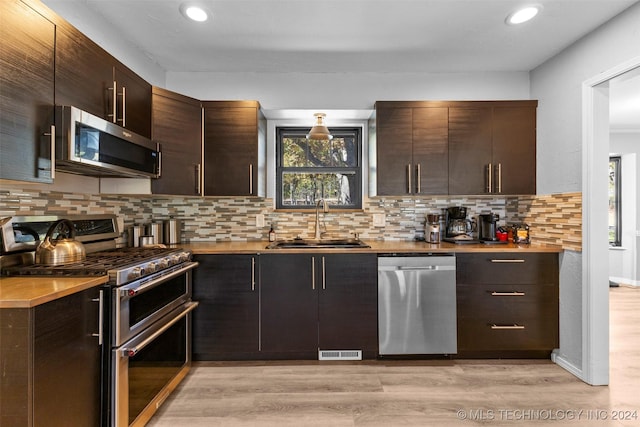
(29,291)
(203,248)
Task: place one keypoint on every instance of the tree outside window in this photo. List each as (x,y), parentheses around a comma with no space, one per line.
(310,170)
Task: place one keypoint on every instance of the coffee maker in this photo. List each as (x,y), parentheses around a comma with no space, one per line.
(458,229)
(487,227)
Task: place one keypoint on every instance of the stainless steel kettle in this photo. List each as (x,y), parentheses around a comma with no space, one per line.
(64,249)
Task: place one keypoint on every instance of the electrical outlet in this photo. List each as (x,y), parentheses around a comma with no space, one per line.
(260,220)
(379,220)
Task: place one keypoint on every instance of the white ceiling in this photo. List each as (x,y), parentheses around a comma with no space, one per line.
(345,35)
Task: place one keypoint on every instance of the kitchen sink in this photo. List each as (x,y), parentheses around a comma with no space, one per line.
(318,244)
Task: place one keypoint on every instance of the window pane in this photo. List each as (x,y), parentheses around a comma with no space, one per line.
(294,152)
(300,152)
(304,189)
(319,153)
(614,201)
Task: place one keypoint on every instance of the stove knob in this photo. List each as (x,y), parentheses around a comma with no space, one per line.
(175,259)
(184,256)
(135,273)
(163,263)
(151,267)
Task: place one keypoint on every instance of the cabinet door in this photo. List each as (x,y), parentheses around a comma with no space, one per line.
(225,325)
(230,150)
(177,127)
(431,150)
(27,41)
(84,73)
(514,149)
(289,304)
(67,368)
(347,310)
(469,150)
(394,151)
(133,101)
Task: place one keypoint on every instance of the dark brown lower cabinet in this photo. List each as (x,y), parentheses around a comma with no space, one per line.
(51,363)
(225,325)
(312,302)
(507,304)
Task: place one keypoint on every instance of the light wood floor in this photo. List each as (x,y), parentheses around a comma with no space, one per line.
(419,393)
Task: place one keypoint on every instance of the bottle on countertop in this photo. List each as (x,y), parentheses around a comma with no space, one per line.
(272,234)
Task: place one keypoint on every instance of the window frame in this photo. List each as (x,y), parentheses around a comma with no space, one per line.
(350,131)
(617,182)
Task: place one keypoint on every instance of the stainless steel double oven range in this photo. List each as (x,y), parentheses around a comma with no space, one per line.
(145,310)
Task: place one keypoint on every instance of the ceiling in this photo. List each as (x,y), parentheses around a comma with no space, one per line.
(344,35)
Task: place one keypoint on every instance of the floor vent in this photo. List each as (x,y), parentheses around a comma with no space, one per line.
(340,355)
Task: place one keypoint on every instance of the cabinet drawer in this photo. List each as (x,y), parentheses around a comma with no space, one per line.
(507,268)
(507,302)
(540,333)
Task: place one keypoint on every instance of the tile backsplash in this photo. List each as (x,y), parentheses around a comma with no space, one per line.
(554,219)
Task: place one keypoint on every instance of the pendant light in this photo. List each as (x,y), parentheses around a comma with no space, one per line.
(319,131)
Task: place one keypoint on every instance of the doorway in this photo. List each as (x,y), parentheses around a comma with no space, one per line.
(595,166)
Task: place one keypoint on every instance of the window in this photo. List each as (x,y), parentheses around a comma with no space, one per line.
(309,170)
(615,211)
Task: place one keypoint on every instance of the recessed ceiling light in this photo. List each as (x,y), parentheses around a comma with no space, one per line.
(194,12)
(523,15)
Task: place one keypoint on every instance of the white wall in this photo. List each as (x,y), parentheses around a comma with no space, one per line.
(557,84)
(324,91)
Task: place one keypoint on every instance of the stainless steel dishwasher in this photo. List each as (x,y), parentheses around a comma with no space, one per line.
(417,304)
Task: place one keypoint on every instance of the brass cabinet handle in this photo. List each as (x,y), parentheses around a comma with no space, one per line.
(507,294)
(198,174)
(253,273)
(418,178)
(313,272)
(490,178)
(324,281)
(499,187)
(250,179)
(100,333)
(409,178)
(507,261)
(515,326)
(114,101)
(52,144)
(124,107)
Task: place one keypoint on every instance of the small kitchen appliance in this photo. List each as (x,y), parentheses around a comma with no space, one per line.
(487,227)
(432,229)
(459,228)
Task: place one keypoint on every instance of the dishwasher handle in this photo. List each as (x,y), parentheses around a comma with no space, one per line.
(417,268)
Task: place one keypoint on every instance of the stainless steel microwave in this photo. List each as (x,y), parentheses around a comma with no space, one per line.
(89,145)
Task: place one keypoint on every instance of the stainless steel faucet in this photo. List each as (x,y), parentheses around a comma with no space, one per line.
(325,209)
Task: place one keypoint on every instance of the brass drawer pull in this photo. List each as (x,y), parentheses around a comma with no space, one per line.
(507,327)
(507,261)
(507,294)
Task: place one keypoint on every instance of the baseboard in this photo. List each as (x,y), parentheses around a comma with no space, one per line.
(621,281)
(566,365)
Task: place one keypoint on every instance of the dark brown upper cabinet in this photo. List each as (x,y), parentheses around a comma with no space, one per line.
(27,53)
(91,79)
(492,148)
(411,148)
(234,148)
(454,147)
(177,126)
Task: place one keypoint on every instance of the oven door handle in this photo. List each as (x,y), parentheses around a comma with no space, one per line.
(132,351)
(161,278)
